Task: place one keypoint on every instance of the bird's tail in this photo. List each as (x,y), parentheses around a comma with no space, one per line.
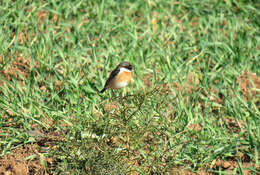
(103,90)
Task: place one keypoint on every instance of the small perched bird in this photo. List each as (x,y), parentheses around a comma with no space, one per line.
(120,77)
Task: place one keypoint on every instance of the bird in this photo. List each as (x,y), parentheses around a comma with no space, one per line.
(119,77)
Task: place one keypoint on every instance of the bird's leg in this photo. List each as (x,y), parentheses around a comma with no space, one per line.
(120,98)
(123,95)
(113,93)
(124,92)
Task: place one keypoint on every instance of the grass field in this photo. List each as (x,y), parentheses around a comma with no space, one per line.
(193,107)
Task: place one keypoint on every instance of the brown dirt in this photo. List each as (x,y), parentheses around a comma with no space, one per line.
(57,84)
(18,68)
(229,166)
(16,163)
(182,171)
(195,127)
(249,85)
(234,125)
(110,106)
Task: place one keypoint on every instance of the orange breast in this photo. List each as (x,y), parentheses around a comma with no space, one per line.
(124,76)
(121,80)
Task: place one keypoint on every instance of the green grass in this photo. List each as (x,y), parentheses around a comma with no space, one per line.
(70,48)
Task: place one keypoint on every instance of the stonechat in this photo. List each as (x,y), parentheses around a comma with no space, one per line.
(120,77)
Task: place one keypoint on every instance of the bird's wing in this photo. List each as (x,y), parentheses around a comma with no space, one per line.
(112,75)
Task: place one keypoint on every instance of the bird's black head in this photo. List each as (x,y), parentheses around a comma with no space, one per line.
(126,65)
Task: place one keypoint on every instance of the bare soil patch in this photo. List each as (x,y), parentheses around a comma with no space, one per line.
(183,171)
(229,165)
(28,159)
(16,163)
(17,68)
(249,85)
